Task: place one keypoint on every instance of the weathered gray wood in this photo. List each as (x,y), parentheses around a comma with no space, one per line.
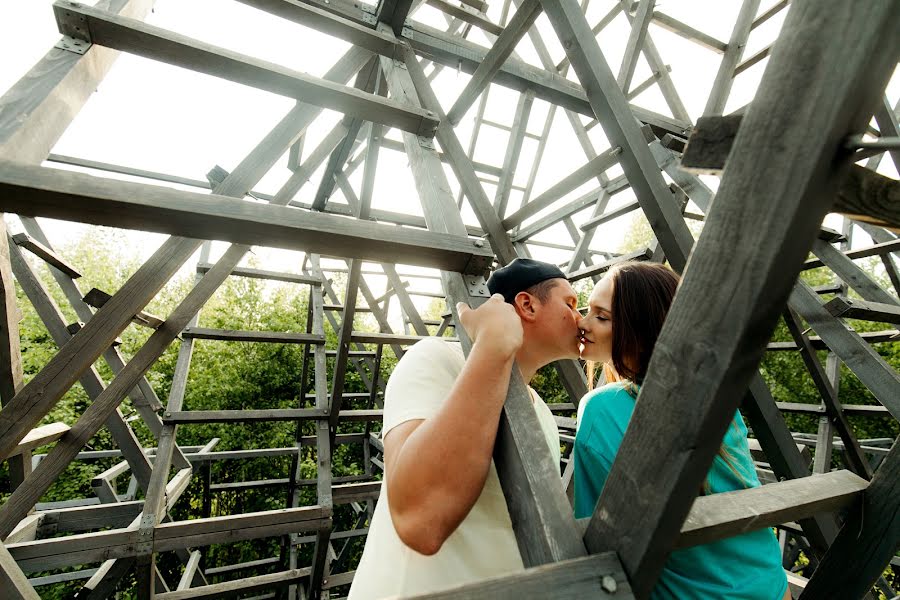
(876,250)
(636,37)
(721,88)
(718,516)
(66,195)
(97,298)
(723,515)
(849,308)
(48,255)
(601,268)
(687,32)
(24,411)
(62,577)
(13,583)
(829,392)
(852,274)
(786,205)
(277,337)
(137,37)
(233,589)
(263,274)
(122,543)
(11,372)
(242,416)
(572,580)
(517,27)
(871,369)
(40,436)
(622,130)
(577,178)
(325,22)
(867,541)
(540,513)
(36,111)
(189,571)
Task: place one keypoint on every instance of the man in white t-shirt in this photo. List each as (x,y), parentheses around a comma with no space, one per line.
(441,519)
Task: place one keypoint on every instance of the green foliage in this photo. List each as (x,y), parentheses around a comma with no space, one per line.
(240,375)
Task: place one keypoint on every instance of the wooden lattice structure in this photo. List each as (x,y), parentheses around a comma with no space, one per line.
(792,161)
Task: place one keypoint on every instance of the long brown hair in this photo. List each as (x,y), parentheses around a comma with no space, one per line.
(642,295)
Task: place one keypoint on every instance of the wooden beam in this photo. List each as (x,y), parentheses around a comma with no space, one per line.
(863,194)
(851,308)
(784,190)
(67,195)
(719,516)
(517,27)
(137,37)
(597,576)
(866,543)
(48,255)
(36,111)
(234,589)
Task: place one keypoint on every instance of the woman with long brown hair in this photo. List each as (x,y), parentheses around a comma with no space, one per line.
(626,311)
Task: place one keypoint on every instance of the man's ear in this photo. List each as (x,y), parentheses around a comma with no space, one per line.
(526,305)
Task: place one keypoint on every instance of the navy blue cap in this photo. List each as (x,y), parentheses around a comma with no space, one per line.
(519,275)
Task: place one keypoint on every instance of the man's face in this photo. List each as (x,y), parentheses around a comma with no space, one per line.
(557,323)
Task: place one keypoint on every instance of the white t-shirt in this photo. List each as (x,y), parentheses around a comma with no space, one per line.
(484,544)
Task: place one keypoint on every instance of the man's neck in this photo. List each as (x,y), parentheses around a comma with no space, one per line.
(528,364)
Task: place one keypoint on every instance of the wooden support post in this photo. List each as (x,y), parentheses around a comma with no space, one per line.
(789,205)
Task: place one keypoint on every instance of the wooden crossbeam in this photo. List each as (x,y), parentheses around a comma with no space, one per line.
(718,516)
(851,308)
(234,589)
(49,256)
(230,335)
(787,207)
(137,37)
(66,195)
(863,195)
(268,275)
(84,548)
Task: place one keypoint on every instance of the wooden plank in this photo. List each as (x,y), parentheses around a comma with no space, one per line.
(851,308)
(853,409)
(24,411)
(517,27)
(242,416)
(784,190)
(233,589)
(263,274)
(876,250)
(48,255)
(515,74)
(13,583)
(97,298)
(570,580)
(40,436)
(862,195)
(871,369)
(719,516)
(866,543)
(304,13)
(230,335)
(137,37)
(73,196)
(36,111)
(540,513)
(622,130)
(687,32)
(469,16)
(721,88)
(577,178)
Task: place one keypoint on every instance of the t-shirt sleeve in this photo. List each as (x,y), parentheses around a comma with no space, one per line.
(421,382)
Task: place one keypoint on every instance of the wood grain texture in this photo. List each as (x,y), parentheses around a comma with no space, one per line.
(784,191)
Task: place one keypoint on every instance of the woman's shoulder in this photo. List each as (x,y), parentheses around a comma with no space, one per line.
(610,398)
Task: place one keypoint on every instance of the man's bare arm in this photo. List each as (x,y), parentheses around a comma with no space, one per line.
(436,468)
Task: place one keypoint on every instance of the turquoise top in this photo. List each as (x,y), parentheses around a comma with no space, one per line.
(745,566)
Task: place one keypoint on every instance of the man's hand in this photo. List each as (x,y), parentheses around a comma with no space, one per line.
(495,324)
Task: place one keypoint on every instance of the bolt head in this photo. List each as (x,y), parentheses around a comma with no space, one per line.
(479,243)
(608,584)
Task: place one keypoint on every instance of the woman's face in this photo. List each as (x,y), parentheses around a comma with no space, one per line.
(596,339)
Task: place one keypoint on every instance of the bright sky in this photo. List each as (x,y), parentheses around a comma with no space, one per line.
(161,118)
